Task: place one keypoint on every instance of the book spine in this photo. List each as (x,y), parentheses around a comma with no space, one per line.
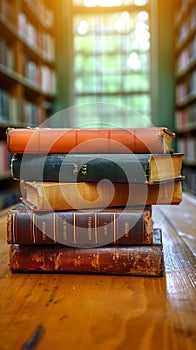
(82,140)
(123,168)
(83,195)
(129,260)
(79,228)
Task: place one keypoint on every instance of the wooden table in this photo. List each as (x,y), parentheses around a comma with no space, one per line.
(106,312)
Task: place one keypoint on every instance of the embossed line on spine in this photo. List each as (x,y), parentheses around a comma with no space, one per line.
(115,238)
(76,139)
(109,140)
(38,139)
(54,227)
(134,140)
(13,227)
(33,220)
(96,238)
(74,227)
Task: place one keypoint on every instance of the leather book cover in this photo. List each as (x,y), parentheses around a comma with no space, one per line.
(79,228)
(83,167)
(88,195)
(103,140)
(139,260)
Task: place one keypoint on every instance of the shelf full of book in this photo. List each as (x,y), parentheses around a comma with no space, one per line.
(185,120)
(27,68)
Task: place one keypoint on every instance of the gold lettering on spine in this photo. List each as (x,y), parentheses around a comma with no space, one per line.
(65,229)
(126,229)
(74,227)
(166,192)
(84,169)
(75,169)
(115,238)
(43,229)
(90,221)
(105,228)
(33,221)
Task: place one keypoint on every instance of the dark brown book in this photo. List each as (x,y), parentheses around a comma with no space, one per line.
(79,228)
(140,260)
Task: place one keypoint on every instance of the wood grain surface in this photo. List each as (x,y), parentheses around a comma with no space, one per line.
(72,311)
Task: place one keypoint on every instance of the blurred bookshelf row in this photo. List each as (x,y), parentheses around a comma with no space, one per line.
(27,75)
(185,118)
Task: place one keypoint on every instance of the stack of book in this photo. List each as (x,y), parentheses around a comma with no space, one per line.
(87,197)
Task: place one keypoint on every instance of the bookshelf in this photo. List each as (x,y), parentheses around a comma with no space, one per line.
(27,70)
(185,120)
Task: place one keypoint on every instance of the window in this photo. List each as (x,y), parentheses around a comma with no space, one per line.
(111,67)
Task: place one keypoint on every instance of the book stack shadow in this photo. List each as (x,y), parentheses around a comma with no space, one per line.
(87,197)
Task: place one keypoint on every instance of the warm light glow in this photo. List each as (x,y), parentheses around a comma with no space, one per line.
(121,24)
(109,3)
(140,2)
(143,16)
(141,33)
(103,3)
(141,40)
(83,27)
(90,3)
(133,61)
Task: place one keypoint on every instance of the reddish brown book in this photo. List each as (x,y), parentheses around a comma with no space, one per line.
(84,195)
(111,140)
(141,260)
(79,228)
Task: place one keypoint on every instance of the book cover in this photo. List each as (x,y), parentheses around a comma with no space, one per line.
(118,167)
(139,260)
(75,140)
(79,228)
(85,195)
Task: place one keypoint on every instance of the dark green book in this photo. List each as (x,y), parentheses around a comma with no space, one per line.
(119,168)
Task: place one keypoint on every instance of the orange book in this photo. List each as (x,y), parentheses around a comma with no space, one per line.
(111,140)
